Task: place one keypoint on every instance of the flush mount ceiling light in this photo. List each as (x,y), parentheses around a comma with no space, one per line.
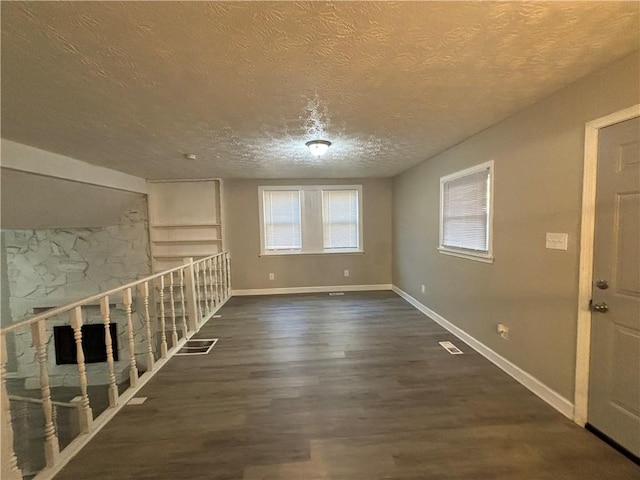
(318,147)
(190,156)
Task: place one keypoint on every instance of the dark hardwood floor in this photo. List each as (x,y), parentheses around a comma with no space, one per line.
(310,387)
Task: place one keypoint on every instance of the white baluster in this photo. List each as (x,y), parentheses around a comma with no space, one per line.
(10,470)
(214,283)
(223,265)
(214,280)
(105,310)
(223,276)
(192,301)
(163,325)
(144,291)
(203,286)
(196,271)
(227,263)
(174,330)
(202,301)
(182,304)
(133,371)
(219,277)
(86,416)
(51,446)
(208,286)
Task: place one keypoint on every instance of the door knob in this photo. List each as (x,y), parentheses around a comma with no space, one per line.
(598,307)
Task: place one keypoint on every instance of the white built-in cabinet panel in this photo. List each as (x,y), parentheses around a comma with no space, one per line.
(185,220)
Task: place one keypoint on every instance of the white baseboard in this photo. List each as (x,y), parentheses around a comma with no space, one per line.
(550,396)
(322,289)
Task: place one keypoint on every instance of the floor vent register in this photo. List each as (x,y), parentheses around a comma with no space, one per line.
(200,346)
(451,348)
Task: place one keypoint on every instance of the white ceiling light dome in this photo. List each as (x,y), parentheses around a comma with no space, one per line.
(318,147)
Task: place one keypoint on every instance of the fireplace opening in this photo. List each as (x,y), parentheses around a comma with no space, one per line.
(93,343)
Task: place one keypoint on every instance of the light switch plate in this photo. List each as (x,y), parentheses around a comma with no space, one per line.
(557,241)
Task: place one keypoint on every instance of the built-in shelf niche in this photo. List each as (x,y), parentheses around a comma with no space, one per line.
(185,220)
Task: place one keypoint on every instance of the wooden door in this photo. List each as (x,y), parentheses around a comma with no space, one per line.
(614,382)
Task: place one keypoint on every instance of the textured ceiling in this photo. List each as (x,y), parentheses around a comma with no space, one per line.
(243,85)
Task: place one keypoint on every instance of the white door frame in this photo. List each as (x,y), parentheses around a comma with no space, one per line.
(587,234)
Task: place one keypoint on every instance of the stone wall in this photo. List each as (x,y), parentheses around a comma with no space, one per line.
(53,267)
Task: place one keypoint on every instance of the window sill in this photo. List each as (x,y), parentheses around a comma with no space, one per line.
(324,252)
(478,257)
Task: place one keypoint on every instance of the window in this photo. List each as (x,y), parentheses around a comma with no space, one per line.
(310,219)
(282,220)
(466,213)
(340,219)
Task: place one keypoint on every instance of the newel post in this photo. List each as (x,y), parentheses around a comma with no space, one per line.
(190,284)
(10,469)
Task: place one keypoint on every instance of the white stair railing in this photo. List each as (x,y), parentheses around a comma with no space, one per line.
(194,292)
(25,409)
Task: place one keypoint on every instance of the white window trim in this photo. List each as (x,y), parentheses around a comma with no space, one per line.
(303,212)
(261,191)
(486,257)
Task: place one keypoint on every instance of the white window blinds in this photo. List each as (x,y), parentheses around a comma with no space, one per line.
(282,220)
(340,219)
(465,211)
(310,219)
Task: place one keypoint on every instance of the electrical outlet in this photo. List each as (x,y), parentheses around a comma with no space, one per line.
(422,288)
(346,273)
(503,330)
(272,276)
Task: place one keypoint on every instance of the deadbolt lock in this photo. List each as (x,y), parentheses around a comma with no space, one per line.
(602,284)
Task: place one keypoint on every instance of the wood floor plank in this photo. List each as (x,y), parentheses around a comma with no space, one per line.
(354,387)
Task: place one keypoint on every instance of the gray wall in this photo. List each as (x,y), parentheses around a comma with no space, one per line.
(538,156)
(251,271)
(59,203)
